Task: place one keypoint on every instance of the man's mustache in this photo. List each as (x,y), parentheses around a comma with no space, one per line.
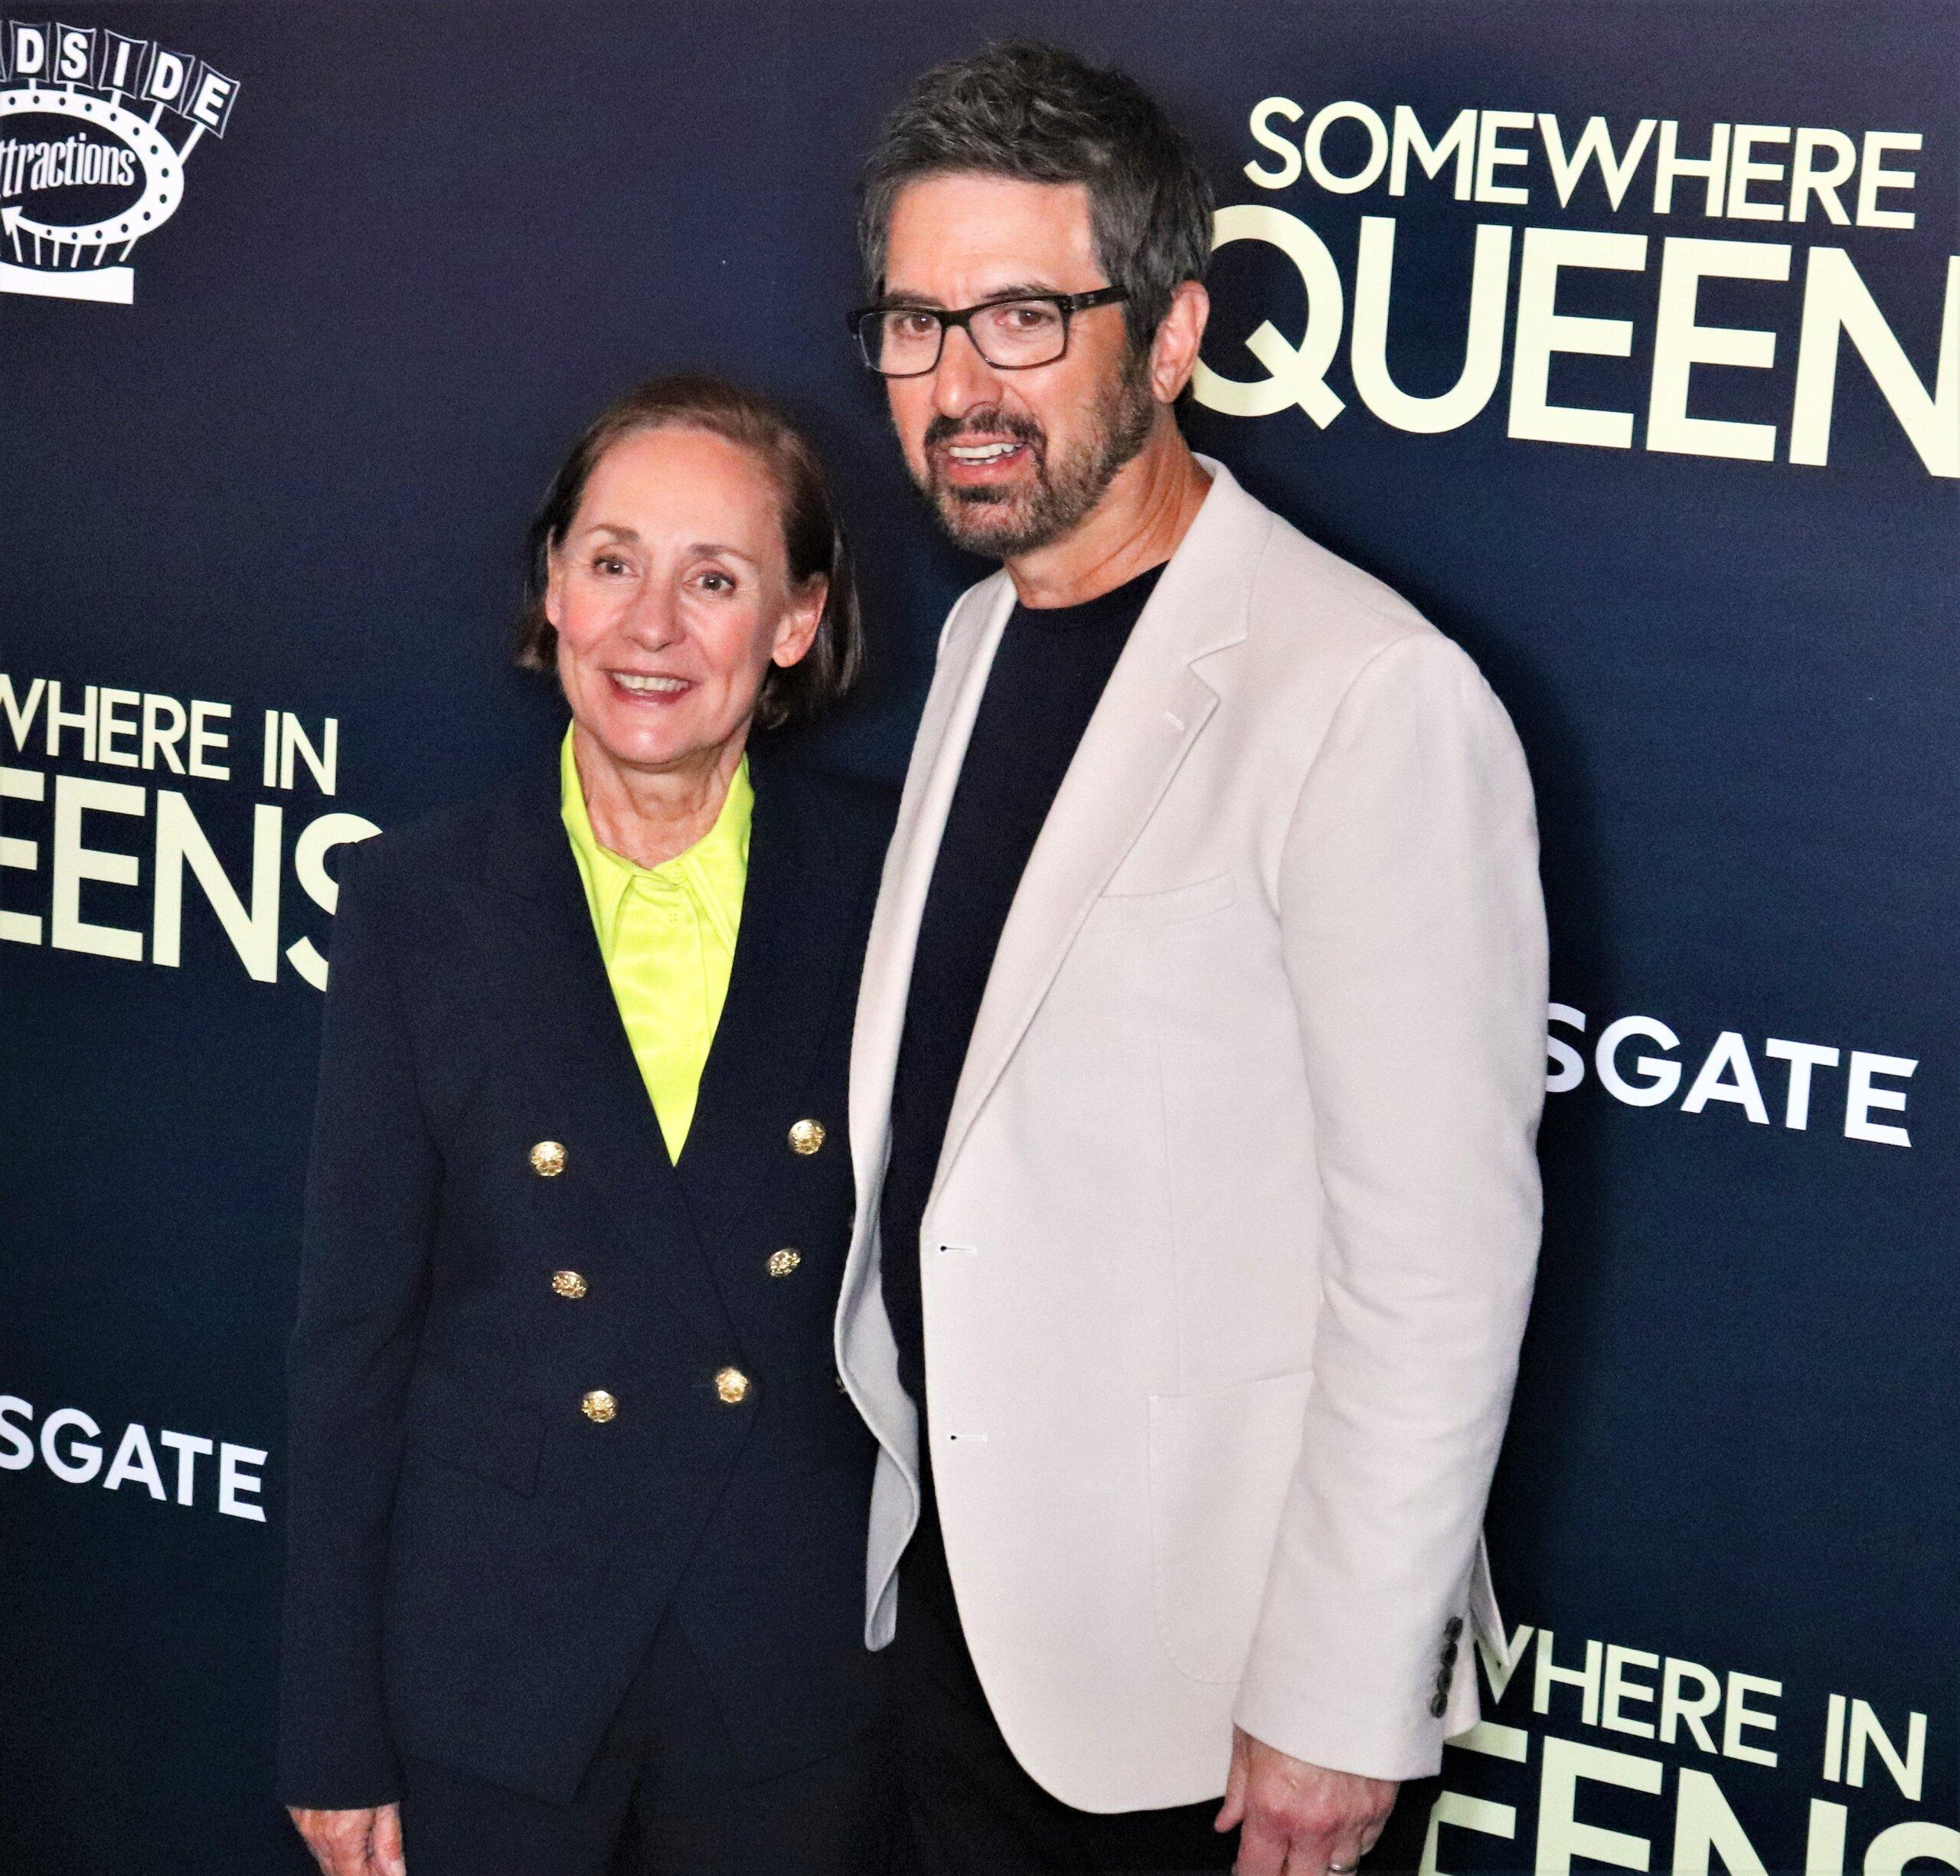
(989,423)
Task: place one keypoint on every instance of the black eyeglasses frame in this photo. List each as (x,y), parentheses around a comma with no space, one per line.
(960,318)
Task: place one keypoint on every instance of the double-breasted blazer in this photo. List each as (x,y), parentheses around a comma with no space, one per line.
(1228,1255)
(548,1388)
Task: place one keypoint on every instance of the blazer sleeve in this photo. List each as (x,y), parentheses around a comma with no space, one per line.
(1414,937)
(371,1195)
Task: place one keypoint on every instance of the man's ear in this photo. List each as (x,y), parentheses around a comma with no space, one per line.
(1174,351)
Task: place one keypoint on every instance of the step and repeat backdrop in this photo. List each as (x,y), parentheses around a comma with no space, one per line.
(1624,338)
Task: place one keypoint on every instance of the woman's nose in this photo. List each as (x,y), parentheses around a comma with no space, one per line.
(654,619)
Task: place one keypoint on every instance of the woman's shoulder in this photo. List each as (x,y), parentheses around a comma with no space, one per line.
(410,858)
(859,802)
(856,810)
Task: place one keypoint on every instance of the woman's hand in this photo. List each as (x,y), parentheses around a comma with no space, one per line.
(354,1843)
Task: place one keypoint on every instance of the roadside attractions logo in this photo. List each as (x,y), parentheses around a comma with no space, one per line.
(95,130)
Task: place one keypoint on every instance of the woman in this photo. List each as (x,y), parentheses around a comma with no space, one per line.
(578,1508)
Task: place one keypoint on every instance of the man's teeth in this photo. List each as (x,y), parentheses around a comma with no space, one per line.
(628,680)
(980,452)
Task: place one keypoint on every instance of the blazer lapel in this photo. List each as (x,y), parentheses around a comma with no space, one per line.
(972,637)
(552,1004)
(1149,716)
(803,889)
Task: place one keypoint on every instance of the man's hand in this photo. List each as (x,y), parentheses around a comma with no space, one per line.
(354,1843)
(1298,1819)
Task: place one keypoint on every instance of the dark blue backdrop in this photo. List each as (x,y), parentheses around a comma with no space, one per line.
(291,474)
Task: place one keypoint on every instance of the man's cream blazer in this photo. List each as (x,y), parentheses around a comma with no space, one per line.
(1229,1253)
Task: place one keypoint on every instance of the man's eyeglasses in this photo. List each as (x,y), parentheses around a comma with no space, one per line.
(1012,335)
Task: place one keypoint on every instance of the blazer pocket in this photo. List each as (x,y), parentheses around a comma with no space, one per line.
(1220,1464)
(492,1439)
(1123,910)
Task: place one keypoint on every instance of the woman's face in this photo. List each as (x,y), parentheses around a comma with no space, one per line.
(671,598)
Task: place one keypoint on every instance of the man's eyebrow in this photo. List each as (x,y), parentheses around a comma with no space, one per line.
(927,303)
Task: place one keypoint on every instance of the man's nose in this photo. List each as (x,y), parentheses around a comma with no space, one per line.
(962,381)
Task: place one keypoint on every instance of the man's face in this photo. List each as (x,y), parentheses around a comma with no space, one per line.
(1011,460)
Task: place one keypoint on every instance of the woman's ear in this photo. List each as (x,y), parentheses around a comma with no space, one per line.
(555,588)
(797,631)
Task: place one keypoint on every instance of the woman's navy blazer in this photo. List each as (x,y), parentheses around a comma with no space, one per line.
(476,1565)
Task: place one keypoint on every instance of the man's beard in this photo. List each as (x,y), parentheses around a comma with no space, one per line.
(1004,523)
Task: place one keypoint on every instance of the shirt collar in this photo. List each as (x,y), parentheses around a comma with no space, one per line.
(712,872)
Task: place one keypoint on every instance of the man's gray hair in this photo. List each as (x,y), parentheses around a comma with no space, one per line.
(1039,113)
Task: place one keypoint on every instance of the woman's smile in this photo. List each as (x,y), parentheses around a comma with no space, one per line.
(651,687)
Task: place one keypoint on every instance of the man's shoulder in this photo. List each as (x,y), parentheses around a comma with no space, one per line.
(1320,630)
(1324,605)
(1316,622)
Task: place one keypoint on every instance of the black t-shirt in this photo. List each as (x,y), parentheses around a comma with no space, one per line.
(1048,673)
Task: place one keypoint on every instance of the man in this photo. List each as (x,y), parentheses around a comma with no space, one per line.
(1197,1065)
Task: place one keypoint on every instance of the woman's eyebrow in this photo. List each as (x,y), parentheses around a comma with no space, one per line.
(618,531)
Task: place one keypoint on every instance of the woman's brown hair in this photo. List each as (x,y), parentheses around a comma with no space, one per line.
(812,532)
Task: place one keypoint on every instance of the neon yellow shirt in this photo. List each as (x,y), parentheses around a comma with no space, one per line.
(667,934)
